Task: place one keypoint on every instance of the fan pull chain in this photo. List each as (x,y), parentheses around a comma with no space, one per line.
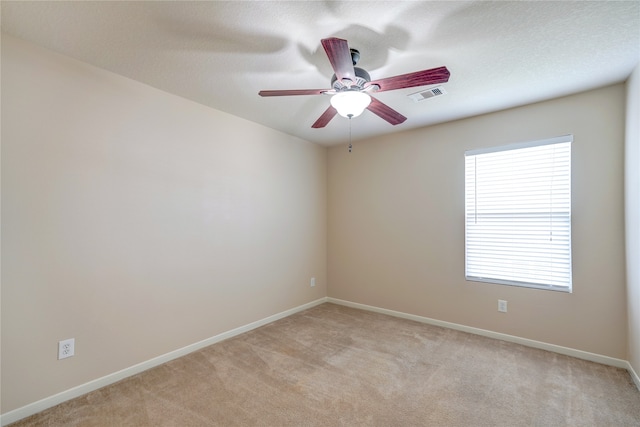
(350,146)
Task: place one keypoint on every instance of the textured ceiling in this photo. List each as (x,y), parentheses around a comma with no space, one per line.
(500,54)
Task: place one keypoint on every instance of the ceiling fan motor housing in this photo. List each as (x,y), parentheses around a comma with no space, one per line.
(362,77)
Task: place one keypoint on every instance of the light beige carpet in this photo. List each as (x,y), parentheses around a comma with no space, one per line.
(338,366)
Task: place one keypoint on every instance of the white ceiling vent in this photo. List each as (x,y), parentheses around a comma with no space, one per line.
(426,94)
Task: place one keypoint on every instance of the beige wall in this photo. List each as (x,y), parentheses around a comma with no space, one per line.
(138,222)
(396,224)
(632,194)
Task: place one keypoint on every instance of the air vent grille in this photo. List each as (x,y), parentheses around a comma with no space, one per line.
(426,94)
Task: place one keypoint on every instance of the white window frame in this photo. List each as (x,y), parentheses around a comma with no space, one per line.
(516,234)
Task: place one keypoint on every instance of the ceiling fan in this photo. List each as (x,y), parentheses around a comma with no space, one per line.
(351,86)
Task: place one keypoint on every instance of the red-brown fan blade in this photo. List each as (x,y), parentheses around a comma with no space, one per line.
(340,57)
(418,78)
(292,92)
(325,118)
(385,112)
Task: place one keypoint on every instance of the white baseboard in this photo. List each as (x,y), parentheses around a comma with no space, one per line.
(48,402)
(605,360)
(634,375)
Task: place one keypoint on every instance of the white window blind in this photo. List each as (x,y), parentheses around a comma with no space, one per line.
(518,214)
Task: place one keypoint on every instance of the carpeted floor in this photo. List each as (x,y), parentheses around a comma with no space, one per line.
(337,366)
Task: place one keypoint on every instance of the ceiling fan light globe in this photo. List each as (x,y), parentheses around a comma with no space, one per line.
(350,103)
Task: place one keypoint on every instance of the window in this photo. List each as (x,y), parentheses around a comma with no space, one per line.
(518,214)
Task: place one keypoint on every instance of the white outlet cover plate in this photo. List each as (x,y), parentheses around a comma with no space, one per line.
(502,306)
(66,348)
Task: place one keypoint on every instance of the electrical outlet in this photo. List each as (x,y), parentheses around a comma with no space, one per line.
(66,348)
(502,306)
(313,282)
